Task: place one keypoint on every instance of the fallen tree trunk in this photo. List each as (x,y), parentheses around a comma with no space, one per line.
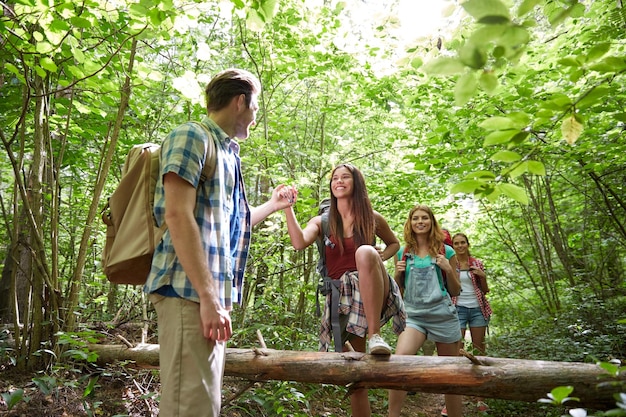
(508,379)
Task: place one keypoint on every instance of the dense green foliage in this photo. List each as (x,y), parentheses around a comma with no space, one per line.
(512,127)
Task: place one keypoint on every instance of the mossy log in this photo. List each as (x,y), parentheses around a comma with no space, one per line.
(508,379)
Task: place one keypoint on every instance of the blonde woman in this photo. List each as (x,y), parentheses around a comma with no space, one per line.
(424,269)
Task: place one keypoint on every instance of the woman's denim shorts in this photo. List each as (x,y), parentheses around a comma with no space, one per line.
(472,317)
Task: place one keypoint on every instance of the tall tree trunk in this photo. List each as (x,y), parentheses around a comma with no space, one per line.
(72,299)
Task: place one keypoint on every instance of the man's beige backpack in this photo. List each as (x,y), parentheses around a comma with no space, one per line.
(132,232)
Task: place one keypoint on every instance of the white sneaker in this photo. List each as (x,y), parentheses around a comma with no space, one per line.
(377,346)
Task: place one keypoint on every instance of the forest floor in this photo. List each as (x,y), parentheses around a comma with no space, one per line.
(132,395)
(124,389)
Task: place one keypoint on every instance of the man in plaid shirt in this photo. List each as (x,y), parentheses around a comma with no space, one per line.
(197,269)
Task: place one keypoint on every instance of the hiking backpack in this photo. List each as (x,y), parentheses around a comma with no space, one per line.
(132,233)
(327,285)
(323,240)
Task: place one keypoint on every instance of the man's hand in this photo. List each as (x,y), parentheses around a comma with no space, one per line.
(216,324)
(284,196)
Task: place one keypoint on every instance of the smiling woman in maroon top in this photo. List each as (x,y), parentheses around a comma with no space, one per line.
(369,297)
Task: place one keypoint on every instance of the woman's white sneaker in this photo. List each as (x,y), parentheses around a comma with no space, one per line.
(377,346)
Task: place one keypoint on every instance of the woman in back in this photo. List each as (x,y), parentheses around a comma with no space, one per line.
(423,269)
(472,305)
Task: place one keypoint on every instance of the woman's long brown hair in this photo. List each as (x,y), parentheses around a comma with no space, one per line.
(364,226)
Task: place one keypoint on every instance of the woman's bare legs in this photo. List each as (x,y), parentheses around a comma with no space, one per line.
(374,288)
(454,403)
(478,342)
(478,339)
(359,400)
(409,342)
(373,285)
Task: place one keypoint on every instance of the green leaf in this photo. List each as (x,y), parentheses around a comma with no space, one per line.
(137,11)
(48,64)
(81,22)
(519,137)
(81,107)
(12,398)
(610,64)
(569,61)
(466,187)
(79,57)
(499,137)
(484,175)
(90,386)
(255,21)
(526,6)
(558,102)
(493,20)
(519,118)
(43,48)
(506,156)
(77,72)
(465,88)
(444,66)
(488,81)
(499,51)
(598,51)
(576,74)
(12,68)
(515,192)
(59,26)
(487,11)
(536,168)
(610,368)
(517,169)
(497,123)
(157,17)
(514,36)
(560,393)
(598,94)
(487,34)
(269,7)
(416,62)
(40,71)
(472,56)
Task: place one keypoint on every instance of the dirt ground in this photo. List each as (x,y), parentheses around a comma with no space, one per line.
(119,393)
(125,390)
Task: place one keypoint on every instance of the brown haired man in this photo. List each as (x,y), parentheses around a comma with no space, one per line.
(197,269)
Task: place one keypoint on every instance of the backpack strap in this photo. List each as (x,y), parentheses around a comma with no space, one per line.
(443,283)
(328,285)
(321,242)
(210,160)
(444,276)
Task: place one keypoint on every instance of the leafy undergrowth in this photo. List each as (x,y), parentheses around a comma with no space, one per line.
(124,391)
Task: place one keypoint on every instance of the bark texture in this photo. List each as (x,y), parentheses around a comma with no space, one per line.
(508,379)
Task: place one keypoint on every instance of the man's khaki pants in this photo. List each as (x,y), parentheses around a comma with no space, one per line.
(192,368)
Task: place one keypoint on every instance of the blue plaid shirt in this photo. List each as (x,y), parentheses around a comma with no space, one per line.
(222,213)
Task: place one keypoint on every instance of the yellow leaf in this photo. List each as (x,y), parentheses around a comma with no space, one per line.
(571,129)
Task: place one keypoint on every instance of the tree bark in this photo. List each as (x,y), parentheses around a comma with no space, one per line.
(508,379)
